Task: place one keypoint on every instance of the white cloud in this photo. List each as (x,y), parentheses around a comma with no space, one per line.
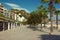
(15,6)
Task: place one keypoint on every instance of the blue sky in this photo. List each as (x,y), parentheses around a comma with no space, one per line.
(28,5)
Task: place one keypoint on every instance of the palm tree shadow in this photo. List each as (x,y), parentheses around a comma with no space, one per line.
(49,37)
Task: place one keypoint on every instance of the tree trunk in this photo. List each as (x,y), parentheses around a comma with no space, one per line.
(57,21)
(44,22)
(41,26)
(44,25)
(51,14)
(41,22)
(51,28)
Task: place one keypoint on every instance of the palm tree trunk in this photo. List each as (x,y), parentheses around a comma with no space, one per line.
(44,25)
(51,28)
(51,14)
(41,22)
(41,26)
(44,22)
(57,21)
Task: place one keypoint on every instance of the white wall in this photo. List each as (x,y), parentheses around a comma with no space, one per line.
(17,17)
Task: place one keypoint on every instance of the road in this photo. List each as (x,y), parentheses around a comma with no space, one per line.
(24,33)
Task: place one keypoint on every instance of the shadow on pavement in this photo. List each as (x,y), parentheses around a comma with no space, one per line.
(50,37)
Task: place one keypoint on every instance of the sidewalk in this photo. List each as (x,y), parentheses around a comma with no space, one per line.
(23,33)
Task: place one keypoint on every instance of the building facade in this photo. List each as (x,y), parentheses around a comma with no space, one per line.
(8,19)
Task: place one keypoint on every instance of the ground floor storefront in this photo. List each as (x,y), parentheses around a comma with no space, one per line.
(8,25)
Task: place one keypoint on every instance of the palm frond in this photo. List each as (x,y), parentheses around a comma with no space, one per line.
(57,1)
(44,1)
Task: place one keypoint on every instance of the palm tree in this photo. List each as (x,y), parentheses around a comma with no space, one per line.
(51,3)
(45,18)
(40,9)
(34,19)
(56,13)
(43,13)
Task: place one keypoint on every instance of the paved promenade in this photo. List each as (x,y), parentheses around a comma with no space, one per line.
(24,33)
